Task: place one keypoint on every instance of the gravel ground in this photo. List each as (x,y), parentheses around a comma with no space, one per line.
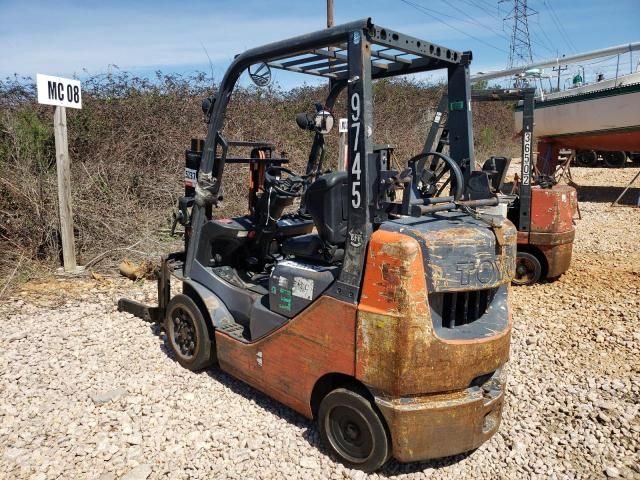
(87,392)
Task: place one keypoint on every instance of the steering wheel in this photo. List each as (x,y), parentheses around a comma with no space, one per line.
(431,176)
(291,186)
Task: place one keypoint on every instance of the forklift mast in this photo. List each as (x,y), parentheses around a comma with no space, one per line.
(439,136)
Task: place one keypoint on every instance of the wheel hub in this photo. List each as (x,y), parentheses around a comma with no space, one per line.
(351,431)
(184,333)
(350,434)
(525,270)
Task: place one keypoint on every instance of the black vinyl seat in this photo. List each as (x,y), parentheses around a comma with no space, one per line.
(326,201)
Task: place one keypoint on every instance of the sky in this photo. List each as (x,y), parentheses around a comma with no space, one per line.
(72,37)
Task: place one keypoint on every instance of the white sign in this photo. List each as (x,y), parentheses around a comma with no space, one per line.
(343,125)
(62,92)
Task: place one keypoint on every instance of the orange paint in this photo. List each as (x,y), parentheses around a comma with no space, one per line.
(318,341)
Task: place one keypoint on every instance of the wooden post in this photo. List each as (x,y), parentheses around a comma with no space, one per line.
(64,190)
(342,152)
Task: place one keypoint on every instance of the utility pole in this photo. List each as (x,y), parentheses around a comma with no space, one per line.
(329,25)
(342,144)
(559,69)
(520,46)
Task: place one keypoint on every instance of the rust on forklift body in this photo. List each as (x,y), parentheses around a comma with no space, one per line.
(552,209)
(398,351)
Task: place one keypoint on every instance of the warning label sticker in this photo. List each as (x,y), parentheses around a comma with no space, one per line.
(190,177)
(302,288)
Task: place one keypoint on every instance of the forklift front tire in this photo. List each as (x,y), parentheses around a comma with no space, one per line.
(353,431)
(187,333)
(528,269)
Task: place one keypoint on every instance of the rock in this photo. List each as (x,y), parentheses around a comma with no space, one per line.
(107,476)
(12,454)
(357,475)
(309,462)
(253,444)
(603,417)
(16,336)
(612,472)
(141,472)
(135,439)
(108,396)
(519,447)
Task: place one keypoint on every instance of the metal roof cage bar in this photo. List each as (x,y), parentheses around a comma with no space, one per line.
(400,54)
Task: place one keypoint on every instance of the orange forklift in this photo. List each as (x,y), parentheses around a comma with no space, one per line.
(542,210)
(374,306)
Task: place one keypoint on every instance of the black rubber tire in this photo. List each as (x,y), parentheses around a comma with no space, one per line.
(353,430)
(528,269)
(586,158)
(614,159)
(187,333)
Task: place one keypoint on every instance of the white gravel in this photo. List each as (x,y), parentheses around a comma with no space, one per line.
(87,392)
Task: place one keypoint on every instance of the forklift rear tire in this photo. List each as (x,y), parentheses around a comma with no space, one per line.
(187,333)
(528,269)
(352,429)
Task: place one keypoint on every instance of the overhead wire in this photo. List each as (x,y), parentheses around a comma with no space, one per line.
(432,13)
(477,22)
(559,26)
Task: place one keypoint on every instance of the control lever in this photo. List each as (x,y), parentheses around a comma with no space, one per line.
(181,215)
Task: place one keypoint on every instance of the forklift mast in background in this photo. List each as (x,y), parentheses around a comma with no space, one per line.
(438,138)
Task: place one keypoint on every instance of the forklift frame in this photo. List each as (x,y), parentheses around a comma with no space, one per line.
(348,59)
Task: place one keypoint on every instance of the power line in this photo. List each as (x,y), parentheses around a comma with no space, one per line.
(549,42)
(430,13)
(560,27)
(539,41)
(483,5)
(477,22)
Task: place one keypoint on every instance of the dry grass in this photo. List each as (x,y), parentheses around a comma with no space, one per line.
(127,148)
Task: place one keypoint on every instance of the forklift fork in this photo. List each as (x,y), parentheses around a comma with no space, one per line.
(147,312)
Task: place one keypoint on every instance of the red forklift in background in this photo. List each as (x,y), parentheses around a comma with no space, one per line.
(541,209)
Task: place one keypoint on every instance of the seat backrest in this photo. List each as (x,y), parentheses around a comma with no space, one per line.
(497,167)
(326,201)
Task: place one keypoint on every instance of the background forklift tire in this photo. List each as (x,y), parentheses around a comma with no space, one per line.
(353,430)
(187,333)
(528,269)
